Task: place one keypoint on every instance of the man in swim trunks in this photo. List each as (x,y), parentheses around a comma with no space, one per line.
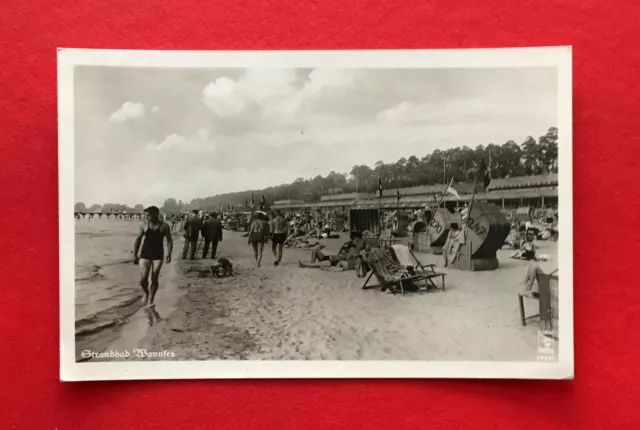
(279,229)
(151,236)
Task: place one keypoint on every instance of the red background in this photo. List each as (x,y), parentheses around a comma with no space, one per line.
(606,145)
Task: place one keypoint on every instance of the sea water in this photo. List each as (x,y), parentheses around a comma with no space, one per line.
(106,280)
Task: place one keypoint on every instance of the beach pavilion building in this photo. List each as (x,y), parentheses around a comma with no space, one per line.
(537,192)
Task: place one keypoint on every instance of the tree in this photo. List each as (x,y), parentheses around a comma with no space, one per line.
(170,206)
(460,164)
(530,160)
(95,208)
(509,160)
(138,208)
(80,207)
(548,150)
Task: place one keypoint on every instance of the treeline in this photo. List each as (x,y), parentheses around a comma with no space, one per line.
(107,208)
(511,159)
(531,157)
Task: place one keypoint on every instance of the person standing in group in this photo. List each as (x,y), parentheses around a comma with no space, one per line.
(151,237)
(258,234)
(192,228)
(212,234)
(279,236)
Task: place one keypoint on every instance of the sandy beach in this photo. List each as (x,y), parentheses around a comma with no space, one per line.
(285,312)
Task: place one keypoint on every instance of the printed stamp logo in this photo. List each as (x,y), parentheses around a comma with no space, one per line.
(546,345)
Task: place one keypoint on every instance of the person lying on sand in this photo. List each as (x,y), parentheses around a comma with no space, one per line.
(151,236)
(345,258)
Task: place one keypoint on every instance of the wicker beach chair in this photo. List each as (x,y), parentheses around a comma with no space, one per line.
(390,273)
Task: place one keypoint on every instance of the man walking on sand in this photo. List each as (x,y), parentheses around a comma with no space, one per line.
(192,228)
(212,234)
(151,236)
(279,229)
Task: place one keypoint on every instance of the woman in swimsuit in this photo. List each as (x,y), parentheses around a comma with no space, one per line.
(258,235)
(152,255)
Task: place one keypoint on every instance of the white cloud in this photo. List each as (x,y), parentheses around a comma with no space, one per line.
(129,110)
(461,111)
(155,109)
(398,113)
(200,142)
(273,94)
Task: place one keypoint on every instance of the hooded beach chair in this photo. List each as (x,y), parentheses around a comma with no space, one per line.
(389,272)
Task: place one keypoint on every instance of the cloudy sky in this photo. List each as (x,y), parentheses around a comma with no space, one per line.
(142,134)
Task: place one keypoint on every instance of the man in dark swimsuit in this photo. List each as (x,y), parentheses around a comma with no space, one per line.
(279,237)
(151,258)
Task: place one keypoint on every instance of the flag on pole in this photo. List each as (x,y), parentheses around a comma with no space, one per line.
(398,195)
(246,202)
(453,192)
(253,202)
(482,179)
(263,203)
(379,185)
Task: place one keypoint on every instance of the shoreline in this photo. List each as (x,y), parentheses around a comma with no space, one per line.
(127,332)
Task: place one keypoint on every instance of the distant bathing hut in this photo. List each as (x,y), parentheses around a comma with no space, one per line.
(530,193)
(439,226)
(484,233)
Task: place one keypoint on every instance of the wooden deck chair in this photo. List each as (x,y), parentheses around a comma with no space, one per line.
(428,270)
(388,271)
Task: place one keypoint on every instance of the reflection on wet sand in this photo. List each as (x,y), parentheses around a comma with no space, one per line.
(152,315)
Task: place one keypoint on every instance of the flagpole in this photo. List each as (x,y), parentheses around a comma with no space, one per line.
(379,204)
(435,208)
(444,171)
(473,196)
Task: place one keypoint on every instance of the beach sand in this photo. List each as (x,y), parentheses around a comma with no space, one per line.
(285,312)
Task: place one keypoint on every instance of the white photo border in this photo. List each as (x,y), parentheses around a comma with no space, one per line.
(70,370)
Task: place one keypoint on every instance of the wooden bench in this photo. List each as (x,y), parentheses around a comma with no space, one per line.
(388,241)
(521,297)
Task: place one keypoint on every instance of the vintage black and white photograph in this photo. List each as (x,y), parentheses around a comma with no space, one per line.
(315,214)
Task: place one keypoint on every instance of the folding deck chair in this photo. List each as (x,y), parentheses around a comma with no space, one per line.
(427,270)
(389,272)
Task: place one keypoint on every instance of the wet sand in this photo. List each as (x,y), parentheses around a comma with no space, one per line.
(285,312)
